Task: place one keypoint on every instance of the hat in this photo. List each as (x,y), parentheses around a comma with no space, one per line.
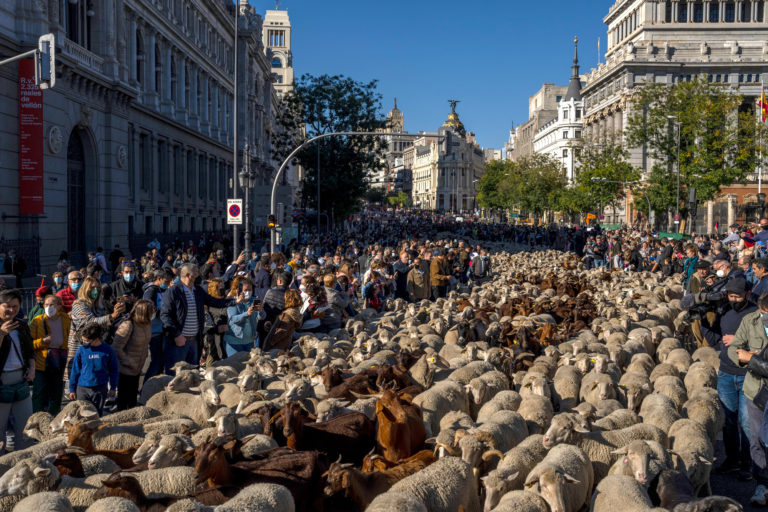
(42,291)
(702,264)
(737,285)
(734,225)
(721,256)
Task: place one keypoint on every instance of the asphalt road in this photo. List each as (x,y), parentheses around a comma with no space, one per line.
(729,485)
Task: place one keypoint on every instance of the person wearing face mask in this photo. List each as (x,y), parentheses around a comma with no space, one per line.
(58,283)
(749,350)
(89,309)
(244,317)
(418,282)
(730,378)
(128,288)
(68,295)
(760,269)
(38,310)
(50,333)
(95,369)
(153,292)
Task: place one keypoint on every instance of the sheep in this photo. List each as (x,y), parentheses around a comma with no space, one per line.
(184,381)
(468,372)
(618,419)
(620,492)
(700,375)
(680,359)
(135,414)
(37,427)
(230,424)
(153,386)
(260,498)
(634,387)
(537,412)
(666,346)
(171,450)
(690,441)
(643,460)
(708,413)
(438,400)
(197,407)
(74,412)
(566,387)
(113,504)
(520,501)
(46,502)
(502,432)
(508,400)
(28,477)
(599,446)
(659,410)
(399,501)
(535,383)
(673,388)
(98,464)
(257,444)
(662,370)
(641,363)
(483,388)
(443,486)
(564,478)
(597,387)
(9,460)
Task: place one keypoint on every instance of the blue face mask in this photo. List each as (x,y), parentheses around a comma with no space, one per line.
(74,286)
(163,286)
(128,277)
(57,280)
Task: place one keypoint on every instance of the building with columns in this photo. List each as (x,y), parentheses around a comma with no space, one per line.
(666,41)
(542,110)
(276,38)
(560,137)
(138,131)
(445,167)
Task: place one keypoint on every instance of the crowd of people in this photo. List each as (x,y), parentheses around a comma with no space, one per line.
(97,332)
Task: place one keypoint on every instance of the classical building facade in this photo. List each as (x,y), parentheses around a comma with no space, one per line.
(561,136)
(445,167)
(542,109)
(276,38)
(138,131)
(390,176)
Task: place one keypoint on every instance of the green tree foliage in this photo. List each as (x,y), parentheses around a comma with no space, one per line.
(718,138)
(325,104)
(596,162)
(375,195)
(489,191)
(398,199)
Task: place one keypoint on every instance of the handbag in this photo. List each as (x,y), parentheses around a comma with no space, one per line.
(15,392)
(56,358)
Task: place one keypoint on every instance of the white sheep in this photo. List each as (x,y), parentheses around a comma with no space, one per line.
(537,412)
(643,460)
(620,492)
(482,389)
(260,498)
(520,501)
(659,410)
(441,398)
(566,386)
(171,450)
(672,387)
(503,401)
(46,502)
(513,469)
(564,478)
(113,504)
(691,442)
(197,407)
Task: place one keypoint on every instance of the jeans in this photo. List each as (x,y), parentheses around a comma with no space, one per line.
(756,448)
(233,349)
(47,391)
(599,262)
(97,395)
(156,357)
(20,410)
(736,431)
(174,354)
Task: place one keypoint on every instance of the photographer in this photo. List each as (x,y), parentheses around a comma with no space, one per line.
(243,320)
(730,378)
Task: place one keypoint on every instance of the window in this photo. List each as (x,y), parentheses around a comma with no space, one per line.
(682,13)
(730,12)
(139,58)
(698,12)
(578,114)
(131,163)
(668,12)
(565,134)
(222,181)
(277,62)
(190,175)
(714,12)
(78,22)
(158,68)
(174,82)
(744,12)
(565,153)
(145,175)
(199,103)
(279,79)
(578,134)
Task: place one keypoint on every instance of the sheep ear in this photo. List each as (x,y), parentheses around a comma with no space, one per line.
(513,476)
(705,461)
(646,387)
(85,413)
(42,471)
(620,451)
(211,420)
(569,479)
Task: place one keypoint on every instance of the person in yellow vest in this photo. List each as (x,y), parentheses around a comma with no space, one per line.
(50,334)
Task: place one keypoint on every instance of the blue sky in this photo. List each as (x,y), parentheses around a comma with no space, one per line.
(492,55)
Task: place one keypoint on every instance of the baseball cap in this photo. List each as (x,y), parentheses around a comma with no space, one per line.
(738,285)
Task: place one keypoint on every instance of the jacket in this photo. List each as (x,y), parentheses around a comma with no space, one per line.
(760,288)
(418,285)
(437,268)
(239,319)
(35,311)
(274,302)
(67,297)
(116,289)
(281,336)
(94,366)
(173,311)
(25,343)
(131,344)
(214,318)
(154,294)
(749,336)
(335,313)
(726,323)
(82,314)
(38,330)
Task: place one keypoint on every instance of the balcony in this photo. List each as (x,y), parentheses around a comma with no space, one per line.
(81,56)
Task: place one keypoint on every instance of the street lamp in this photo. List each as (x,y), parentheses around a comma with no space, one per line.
(234,129)
(624,185)
(678,124)
(247,180)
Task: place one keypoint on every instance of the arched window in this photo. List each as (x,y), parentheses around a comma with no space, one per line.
(139,58)
(174,81)
(78,22)
(277,62)
(158,68)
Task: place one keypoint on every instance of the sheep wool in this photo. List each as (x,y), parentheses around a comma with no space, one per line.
(260,498)
(46,502)
(113,504)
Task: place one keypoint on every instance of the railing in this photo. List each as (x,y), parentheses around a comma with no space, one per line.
(81,55)
(137,243)
(28,249)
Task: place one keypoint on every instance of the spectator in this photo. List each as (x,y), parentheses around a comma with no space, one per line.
(745,264)
(243,320)
(101,261)
(87,309)
(58,282)
(93,368)
(337,303)
(373,292)
(281,334)
(38,310)
(401,269)
(733,236)
(17,361)
(760,268)
(263,279)
(418,283)
(480,266)
(153,292)
(50,333)
(183,318)
(438,274)
(689,266)
(315,305)
(69,294)
(132,339)
(129,288)
(93,270)
(216,324)
(15,265)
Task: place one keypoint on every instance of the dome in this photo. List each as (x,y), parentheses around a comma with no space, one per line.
(395,119)
(453,120)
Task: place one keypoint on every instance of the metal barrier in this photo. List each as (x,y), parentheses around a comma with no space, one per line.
(28,300)
(28,249)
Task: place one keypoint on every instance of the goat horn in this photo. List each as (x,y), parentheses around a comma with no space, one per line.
(361,396)
(76,450)
(373,450)
(273,418)
(490,453)
(338,461)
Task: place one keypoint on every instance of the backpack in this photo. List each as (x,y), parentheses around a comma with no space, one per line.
(109,338)
(369,290)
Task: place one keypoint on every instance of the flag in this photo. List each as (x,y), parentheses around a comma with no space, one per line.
(717,227)
(763,106)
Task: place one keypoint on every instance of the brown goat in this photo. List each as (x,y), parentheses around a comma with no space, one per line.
(374,462)
(69,463)
(349,435)
(81,435)
(128,487)
(401,427)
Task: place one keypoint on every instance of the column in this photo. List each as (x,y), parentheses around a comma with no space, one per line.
(731,208)
(710,216)
(721,12)
(204,101)
(193,106)
(215,110)
(661,11)
(181,79)
(149,57)
(137,165)
(739,5)
(753,11)
(165,89)
(690,12)
(132,49)
(706,11)
(155,169)
(675,7)
(171,174)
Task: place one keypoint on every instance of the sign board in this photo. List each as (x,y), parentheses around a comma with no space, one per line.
(31,183)
(235,211)
(677,218)
(514,215)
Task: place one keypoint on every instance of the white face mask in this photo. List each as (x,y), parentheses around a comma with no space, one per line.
(302,288)
(246,295)
(720,273)
(50,311)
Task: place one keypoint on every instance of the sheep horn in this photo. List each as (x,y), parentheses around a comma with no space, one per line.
(490,453)
(450,449)
(338,461)
(361,396)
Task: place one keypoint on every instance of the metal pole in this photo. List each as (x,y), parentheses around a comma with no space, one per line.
(318,189)
(234,141)
(248,180)
(677,204)
(760,143)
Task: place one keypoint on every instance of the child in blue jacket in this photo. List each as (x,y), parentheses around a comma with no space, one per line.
(95,365)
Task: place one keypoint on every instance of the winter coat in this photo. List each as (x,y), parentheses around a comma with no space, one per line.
(131,344)
(750,336)
(418,285)
(40,328)
(281,336)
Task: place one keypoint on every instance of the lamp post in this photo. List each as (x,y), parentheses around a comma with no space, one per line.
(624,185)
(247,180)
(678,124)
(234,132)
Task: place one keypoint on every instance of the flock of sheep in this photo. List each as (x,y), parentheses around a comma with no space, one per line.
(513,396)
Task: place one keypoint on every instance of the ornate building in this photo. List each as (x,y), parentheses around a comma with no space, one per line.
(445,167)
(542,109)
(277,40)
(392,177)
(139,127)
(559,137)
(666,41)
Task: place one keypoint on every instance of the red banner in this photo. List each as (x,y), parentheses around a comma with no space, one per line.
(30,141)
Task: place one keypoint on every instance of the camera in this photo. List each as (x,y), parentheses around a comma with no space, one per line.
(707,300)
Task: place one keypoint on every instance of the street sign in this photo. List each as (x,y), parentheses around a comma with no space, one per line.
(235,211)
(677,218)
(46,62)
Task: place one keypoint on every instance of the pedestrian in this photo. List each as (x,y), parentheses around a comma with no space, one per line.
(131,341)
(337,303)
(88,309)
(38,310)
(438,274)
(280,336)
(95,369)
(58,282)
(16,266)
(760,269)
(689,266)
(183,316)
(216,324)
(418,283)
(153,292)
(128,287)
(243,318)
(68,295)
(401,269)
(17,364)
(50,335)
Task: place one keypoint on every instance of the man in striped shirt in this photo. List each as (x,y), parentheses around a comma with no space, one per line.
(182,315)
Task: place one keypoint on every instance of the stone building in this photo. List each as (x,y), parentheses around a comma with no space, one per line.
(542,109)
(138,131)
(390,177)
(560,137)
(445,167)
(276,38)
(666,41)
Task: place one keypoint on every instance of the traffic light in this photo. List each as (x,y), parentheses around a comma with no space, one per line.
(45,60)
(271,221)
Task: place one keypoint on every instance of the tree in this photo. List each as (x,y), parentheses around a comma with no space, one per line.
(398,198)
(489,191)
(606,161)
(534,183)
(717,132)
(375,195)
(325,104)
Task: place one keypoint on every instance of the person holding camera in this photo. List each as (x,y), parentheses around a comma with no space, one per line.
(243,320)
(17,364)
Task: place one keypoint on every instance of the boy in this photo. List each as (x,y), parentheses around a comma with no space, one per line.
(94,365)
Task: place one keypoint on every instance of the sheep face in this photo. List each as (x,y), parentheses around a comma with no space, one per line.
(226,423)
(184,381)
(496,486)
(171,452)
(636,458)
(551,486)
(298,390)
(536,386)
(330,408)
(248,381)
(477,389)
(209,394)
(471,450)
(146,449)
(605,390)
(562,430)
(21,478)
(73,412)
(635,395)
